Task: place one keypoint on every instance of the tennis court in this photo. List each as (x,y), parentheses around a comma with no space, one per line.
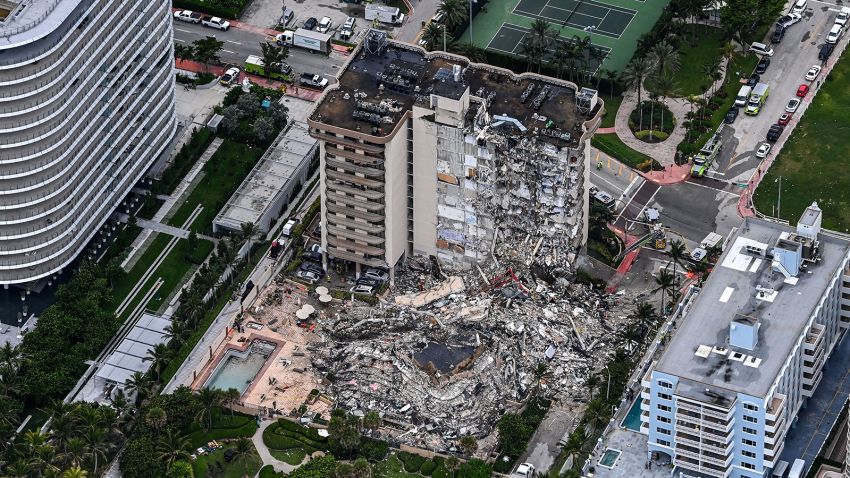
(613,26)
(585,15)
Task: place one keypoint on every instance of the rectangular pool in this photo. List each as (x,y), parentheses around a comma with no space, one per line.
(237,369)
(632,420)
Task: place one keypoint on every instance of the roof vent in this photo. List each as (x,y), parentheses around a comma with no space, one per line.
(809,224)
(743,333)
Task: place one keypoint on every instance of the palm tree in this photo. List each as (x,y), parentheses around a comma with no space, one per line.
(575,445)
(230,397)
(20,469)
(677,253)
(531,51)
(700,270)
(208,399)
(361,468)
(12,356)
(468,445)
(665,86)
(561,56)
(541,34)
(75,452)
(540,372)
(581,47)
(597,414)
(591,383)
(249,230)
(665,57)
(95,439)
(172,447)
(159,355)
(75,472)
(664,282)
(372,421)
(634,75)
(139,384)
(156,418)
(272,55)
(44,460)
(433,36)
(473,52)
(241,452)
(454,12)
(645,315)
(452,464)
(633,334)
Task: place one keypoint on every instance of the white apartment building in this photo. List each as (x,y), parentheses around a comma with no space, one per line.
(750,350)
(426,154)
(86,106)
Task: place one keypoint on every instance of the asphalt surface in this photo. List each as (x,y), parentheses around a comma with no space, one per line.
(238,44)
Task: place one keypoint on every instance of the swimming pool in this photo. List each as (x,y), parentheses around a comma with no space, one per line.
(632,420)
(609,458)
(237,369)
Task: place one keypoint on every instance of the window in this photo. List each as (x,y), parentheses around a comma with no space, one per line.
(663,408)
(750,419)
(751,431)
(665,384)
(663,442)
(751,407)
(662,431)
(748,466)
(664,419)
(748,442)
(665,396)
(748,454)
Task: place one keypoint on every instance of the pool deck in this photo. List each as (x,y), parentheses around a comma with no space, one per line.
(632,460)
(286,379)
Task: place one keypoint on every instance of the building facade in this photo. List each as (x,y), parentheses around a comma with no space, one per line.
(86,106)
(750,350)
(427,154)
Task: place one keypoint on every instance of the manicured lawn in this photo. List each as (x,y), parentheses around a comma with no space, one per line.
(814,161)
(611,145)
(690,78)
(224,426)
(174,268)
(392,468)
(214,466)
(223,173)
(292,456)
(121,287)
(612,104)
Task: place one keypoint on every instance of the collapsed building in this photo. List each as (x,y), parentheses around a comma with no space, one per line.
(468,183)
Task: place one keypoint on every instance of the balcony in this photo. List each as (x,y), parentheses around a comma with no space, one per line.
(369,228)
(360,259)
(330,138)
(354,202)
(703,409)
(351,178)
(354,235)
(356,157)
(372,195)
(349,211)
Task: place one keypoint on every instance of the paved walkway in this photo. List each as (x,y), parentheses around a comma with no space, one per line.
(264,452)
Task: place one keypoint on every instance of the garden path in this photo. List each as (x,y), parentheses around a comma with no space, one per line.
(264,452)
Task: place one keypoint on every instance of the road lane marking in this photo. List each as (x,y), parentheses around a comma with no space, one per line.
(228,51)
(185,31)
(715,189)
(234,42)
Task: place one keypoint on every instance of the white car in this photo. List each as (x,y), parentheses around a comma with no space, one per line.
(834,34)
(841,18)
(524,470)
(230,76)
(376,274)
(309,276)
(763,150)
(789,19)
(813,73)
(187,16)
(362,289)
(325,25)
(793,104)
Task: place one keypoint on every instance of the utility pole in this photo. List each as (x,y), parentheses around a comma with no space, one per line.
(779,199)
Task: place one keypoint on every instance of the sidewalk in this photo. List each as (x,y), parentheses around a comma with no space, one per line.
(288,90)
(264,452)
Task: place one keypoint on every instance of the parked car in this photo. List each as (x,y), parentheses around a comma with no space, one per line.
(778,34)
(802,90)
(731,115)
(317,248)
(325,24)
(311,266)
(763,150)
(368,281)
(230,76)
(785,118)
(789,19)
(799,6)
(762,65)
(362,289)
(761,49)
(187,16)
(774,132)
(834,34)
(698,254)
(310,23)
(215,22)
(793,104)
(754,80)
(825,51)
(841,18)
(813,73)
(312,256)
(309,276)
(376,274)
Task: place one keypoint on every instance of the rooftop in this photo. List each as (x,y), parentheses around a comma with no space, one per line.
(745,287)
(382,81)
(25,21)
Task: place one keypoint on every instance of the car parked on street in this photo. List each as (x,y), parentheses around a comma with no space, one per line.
(731,115)
(813,73)
(775,132)
(376,274)
(362,289)
(761,49)
(825,51)
(754,80)
(788,20)
(325,24)
(792,105)
(834,34)
(310,23)
(763,150)
(309,276)
(230,76)
(778,34)
(802,90)
(841,18)
(785,118)
(762,65)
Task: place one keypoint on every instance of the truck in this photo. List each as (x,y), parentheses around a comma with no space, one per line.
(279,71)
(215,22)
(384,14)
(743,95)
(307,39)
(707,154)
(313,81)
(187,16)
(757,98)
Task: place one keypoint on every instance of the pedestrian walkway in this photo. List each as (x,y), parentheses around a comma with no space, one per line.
(264,452)
(672,174)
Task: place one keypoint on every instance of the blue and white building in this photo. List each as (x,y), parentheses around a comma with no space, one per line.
(86,107)
(750,350)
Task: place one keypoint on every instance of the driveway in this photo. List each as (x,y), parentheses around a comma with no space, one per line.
(543,447)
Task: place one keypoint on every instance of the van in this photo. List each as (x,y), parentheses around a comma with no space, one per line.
(797,469)
(347,29)
(743,95)
(287,16)
(799,6)
(779,471)
(605,199)
(289,227)
(761,49)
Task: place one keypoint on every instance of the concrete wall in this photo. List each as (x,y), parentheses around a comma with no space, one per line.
(395,186)
(425,183)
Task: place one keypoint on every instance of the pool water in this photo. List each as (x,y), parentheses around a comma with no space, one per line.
(632,420)
(238,369)
(609,458)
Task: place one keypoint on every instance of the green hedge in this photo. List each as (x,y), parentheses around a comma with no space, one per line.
(411,461)
(183,161)
(374,450)
(656,135)
(268,472)
(428,468)
(440,472)
(611,145)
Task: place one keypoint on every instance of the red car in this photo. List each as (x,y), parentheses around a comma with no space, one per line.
(784,119)
(802,90)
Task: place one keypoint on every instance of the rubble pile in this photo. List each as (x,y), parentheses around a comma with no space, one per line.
(448,354)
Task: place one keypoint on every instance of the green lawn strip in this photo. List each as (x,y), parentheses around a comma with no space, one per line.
(208,465)
(223,174)
(127,233)
(223,427)
(293,456)
(612,104)
(611,145)
(268,472)
(690,79)
(175,267)
(813,161)
(392,468)
(122,286)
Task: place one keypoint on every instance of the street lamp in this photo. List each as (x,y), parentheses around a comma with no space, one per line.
(608,388)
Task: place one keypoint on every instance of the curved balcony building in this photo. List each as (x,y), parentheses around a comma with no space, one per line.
(86,106)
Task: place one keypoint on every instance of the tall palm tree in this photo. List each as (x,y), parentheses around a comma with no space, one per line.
(677,253)
(531,51)
(664,282)
(139,384)
(700,270)
(98,447)
(591,383)
(561,55)
(540,373)
(645,315)
(665,57)
(241,451)
(230,397)
(634,75)
(434,37)
(541,34)
(665,85)
(12,356)
(581,50)
(44,460)
(19,469)
(575,445)
(159,355)
(156,418)
(207,399)
(249,231)
(597,414)
(172,447)
(75,452)
(475,53)
(634,335)
(454,12)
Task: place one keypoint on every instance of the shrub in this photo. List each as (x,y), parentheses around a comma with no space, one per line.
(428,468)
(649,165)
(375,450)
(656,135)
(440,472)
(268,472)
(411,461)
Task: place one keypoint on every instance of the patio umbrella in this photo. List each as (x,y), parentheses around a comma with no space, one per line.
(302,315)
(322,290)
(325,299)
(309,309)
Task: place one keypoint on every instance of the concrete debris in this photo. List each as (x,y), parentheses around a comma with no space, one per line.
(452,285)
